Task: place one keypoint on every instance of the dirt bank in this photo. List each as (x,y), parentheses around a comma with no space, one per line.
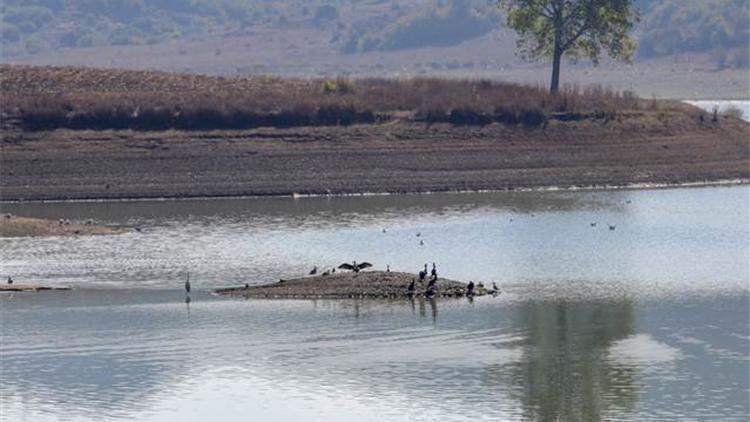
(14,226)
(400,156)
(369,284)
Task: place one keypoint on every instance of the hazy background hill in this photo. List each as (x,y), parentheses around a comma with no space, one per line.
(679,40)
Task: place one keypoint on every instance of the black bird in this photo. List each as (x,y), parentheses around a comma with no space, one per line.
(313,271)
(611,227)
(431,288)
(434,271)
(470,289)
(423,273)
(354,266)
(495,289)
(411,287)
(10,280)
(387,268)
(421,243)
(187,283)
(593,224)
(326,273)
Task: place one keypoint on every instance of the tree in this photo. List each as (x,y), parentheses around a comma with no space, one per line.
(572,28)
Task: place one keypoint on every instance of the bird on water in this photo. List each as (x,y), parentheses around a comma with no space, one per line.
(187,283)
(10,280)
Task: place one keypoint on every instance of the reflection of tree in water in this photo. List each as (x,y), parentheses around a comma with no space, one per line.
(564,370)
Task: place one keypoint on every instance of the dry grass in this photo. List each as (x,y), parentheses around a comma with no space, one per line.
(41,98)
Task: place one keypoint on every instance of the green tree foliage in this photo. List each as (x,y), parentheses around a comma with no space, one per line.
(675,26)
(572,28)
(452,23)
(41,24)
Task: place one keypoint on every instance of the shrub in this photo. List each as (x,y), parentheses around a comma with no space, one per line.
(733,111)
(533,117)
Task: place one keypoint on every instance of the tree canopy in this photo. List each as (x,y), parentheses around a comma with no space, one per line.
(572,28)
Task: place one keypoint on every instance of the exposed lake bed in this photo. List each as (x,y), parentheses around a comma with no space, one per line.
(643,321)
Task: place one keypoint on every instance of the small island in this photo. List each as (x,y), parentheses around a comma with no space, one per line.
(29,288)
(370,284)
(15,226)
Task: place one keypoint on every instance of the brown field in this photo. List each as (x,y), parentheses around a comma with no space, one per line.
(77,98)
(424,135)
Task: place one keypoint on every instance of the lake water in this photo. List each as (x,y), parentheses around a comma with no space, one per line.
(723,105)
(648,321)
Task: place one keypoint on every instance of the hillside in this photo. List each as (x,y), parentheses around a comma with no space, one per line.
(323,39)
(32,26)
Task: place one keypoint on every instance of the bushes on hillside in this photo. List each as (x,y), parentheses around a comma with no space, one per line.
(452,24)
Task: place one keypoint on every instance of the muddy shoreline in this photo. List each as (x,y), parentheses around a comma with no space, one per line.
(658,149)
(18,226)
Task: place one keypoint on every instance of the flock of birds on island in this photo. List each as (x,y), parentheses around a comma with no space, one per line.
(432,286)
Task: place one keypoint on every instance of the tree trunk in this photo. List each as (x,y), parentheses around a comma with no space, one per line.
(557,53)
(556,57)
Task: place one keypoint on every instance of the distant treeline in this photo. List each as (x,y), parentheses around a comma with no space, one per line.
(31,26)
(677,26)
(76,98)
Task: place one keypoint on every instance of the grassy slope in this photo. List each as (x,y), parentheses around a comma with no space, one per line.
(79,98)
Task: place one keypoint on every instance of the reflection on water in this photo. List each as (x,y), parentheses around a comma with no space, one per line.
(566,373)
(90,354)
(644,322)
(709,105)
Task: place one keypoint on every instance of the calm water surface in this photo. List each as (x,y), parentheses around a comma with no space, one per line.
(645,322)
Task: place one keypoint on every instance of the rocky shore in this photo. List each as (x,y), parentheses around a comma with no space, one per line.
(369,284)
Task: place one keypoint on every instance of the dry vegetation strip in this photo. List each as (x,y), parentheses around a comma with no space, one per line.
(41,98)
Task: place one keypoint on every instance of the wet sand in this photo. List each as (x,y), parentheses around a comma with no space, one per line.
(365,284)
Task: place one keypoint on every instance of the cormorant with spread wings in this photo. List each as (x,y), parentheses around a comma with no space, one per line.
(354,266)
